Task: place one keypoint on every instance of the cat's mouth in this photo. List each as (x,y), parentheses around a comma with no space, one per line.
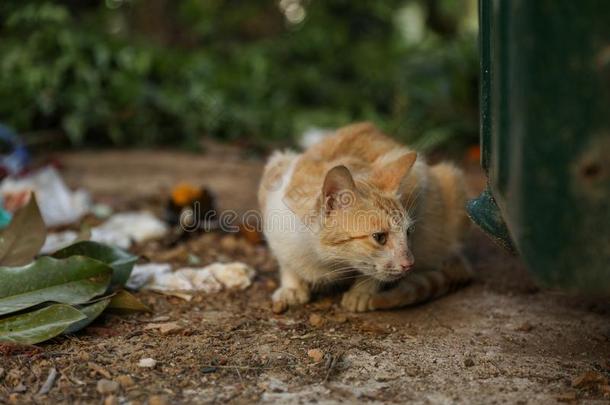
(389,276)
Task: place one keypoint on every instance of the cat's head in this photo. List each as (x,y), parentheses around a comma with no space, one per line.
(364,223)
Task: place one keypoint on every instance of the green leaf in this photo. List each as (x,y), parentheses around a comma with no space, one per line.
(125,301)
(121,261)
(40,325)
(23,238)
(91,312)
(74,280)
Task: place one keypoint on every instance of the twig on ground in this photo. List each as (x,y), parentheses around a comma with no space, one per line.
(48,384)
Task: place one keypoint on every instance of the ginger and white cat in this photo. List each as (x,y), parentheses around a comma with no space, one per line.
(358,206)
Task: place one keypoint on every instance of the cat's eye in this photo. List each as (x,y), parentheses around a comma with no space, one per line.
(410,230)
(380,237)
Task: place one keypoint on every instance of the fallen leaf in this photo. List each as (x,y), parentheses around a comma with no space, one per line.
(97,369)
(40,325)
(123,300)
(589,379)
(24,236)
(165,328)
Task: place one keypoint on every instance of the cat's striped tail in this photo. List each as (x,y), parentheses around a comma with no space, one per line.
(421,286)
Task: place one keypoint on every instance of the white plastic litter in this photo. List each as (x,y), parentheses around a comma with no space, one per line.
(124,228)
(209,279)
(120,230)
(58,240)
(58,204)
(143,274)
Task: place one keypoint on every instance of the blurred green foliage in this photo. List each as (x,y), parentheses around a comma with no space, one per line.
(153,72)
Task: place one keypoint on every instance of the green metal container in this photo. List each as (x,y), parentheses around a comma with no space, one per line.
(545,136)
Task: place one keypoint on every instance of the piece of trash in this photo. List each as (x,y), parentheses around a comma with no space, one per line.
(101,211)
(209,279)
(199,201)
(5,215)
(313,135)
(147,363)
(232,275)
(58,204)
(124,228)
(120,230)
(58,240)
(142,274)
(15,157)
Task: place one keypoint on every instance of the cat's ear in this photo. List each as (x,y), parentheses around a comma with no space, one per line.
(390,176)
(339,189)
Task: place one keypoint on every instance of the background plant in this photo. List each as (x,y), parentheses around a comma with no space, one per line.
(134,72)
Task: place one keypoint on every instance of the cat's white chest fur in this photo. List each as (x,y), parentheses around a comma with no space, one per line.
(292,241)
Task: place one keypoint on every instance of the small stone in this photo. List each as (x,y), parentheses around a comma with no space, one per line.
(525,327)
(158,400)
(162,318)
(468,362)
(323,304)
(125,381)
(340,318)
(567,397)
(279,307)
(270,284)
(316,355)
(316,320)
(167,328)
(228,243)
(147,362)
(111,400)
(105,386)
(274,385)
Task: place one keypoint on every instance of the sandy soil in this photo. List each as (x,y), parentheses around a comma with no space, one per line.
(499,340)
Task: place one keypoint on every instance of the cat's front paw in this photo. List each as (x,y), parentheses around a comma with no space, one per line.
(358,301)
(285,297)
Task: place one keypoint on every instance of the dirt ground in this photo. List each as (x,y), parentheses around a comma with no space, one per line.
(499,340)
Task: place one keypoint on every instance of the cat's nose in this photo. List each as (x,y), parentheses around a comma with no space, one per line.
(406,264)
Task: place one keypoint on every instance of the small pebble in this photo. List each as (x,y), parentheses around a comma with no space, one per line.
(316,355)
(147,363)
(105,386)
(111,400)
(125,381)
(316,320)
(279,307)
(158,400)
